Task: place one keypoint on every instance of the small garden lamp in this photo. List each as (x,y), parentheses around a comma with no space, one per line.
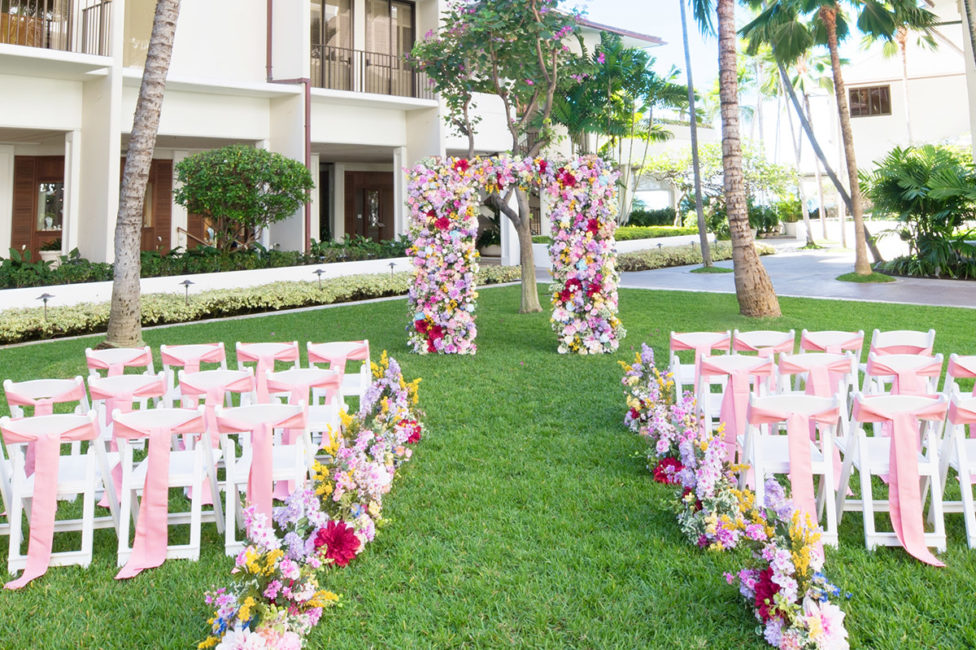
(320,273)
(660,245)
(186,288)
(392,266)
(45,297)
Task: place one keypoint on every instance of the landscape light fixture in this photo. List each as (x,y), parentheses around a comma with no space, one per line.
(320,273)
(660,245)
(45,297)
(392,266)
(186,288)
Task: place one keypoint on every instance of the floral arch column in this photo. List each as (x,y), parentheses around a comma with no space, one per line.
(443,200)
(584,257)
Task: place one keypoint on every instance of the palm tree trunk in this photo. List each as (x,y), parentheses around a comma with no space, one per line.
(797,143)
(752,285)
(125,318)
(695,162)
(902,39)
(808,129)
(969,7)
(828,16)
(821,209)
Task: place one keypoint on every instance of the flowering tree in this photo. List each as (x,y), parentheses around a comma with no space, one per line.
(516,51)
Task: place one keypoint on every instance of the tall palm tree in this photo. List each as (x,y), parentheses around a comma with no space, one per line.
(695,162)
(753,288)
(898,46)
(125,318)
(792,27)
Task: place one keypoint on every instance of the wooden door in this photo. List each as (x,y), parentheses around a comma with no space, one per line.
(369,205)
(38,202)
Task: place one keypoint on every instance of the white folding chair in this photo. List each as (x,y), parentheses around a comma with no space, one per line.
(914,449)
(959,453)
(741,376)
(318,387)
(902,342)
(832,341)
(902,374)
(55,476)
(114,361)
(338,354)
(261,460)
(190,358)
(187,468)
(960,367)
(265,356)
(778,440)
(703,344)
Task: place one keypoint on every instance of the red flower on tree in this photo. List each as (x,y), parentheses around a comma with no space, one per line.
(340,541)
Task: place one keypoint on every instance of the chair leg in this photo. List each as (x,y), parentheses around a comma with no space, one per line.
(867,501)
(840,498)
(88,510)
(938,515)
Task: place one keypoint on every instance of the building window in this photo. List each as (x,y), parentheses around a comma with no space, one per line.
(50,205)
(870,101)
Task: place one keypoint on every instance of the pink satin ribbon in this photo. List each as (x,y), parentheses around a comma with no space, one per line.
(702,343)
(265,355)
(116,360)
(740,370)
(908,371)
(337,353)
(798,426)
(901,349)
(298,383)
(189,357)
(119,392)
(152,527)
(44,504)
(832,342)
(759,342)
(18,394)
(213,386)
(259,478)
(824,371)
(904,496)
(962,367)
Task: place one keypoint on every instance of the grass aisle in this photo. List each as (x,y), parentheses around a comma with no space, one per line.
(527,517)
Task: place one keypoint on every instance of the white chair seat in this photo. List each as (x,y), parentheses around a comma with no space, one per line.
(180,469)
(285,461)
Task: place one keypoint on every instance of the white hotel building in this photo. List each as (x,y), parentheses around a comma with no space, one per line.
(320,81)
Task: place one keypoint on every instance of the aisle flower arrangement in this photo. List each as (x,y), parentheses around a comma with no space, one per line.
(583,255)
(783,583)
(275,597)
(443,200)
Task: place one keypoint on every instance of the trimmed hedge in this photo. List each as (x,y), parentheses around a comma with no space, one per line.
(678,256)
(157,309)
(625,233)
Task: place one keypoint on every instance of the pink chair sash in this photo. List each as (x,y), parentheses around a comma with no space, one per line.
(264,356)
(213,386)
(17,395)
(152,527)
(824,371)
(962,367)
(832,342)
(901,349)
(798,426)
(298,383)
(740,370)
(189,357)
(904,496)
(908,370)
(259,478)
(44,504)
(702,343)
(758,342)
(115,361)
(119,392)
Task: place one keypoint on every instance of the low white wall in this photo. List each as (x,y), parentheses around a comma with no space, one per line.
(541,251)
(94,292)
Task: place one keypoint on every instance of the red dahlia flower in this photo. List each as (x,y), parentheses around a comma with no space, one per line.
(340,541)
(765,590)
(667,470)
(593,226)
(461,165)
(443,223)
(421,326)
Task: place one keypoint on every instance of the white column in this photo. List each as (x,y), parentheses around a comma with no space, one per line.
(178,214)
(510,242)
(316,198)
(71,223)
(6,195)
(338,180)
(400,214)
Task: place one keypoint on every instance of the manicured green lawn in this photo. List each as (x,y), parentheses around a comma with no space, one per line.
(527,518)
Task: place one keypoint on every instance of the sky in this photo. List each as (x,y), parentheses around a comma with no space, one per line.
(661,18)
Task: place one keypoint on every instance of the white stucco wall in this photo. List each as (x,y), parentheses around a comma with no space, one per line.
(223,39)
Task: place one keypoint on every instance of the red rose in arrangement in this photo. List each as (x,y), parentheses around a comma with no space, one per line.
(566,177)
(414,427)
(592,226)
(543,165)
(340,541)
(593,289)
(443,223)
(667,470)
(461,165)
(765,590)
(421,326)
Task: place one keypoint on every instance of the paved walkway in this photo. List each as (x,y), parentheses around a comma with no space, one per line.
(809,274)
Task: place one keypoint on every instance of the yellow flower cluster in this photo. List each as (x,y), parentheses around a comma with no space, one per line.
(244,613)
(804,534)
(320,478)
(209,642)
(323,599)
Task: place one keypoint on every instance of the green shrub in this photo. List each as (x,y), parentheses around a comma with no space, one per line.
(661,217)
(542,239)
(625,233)
(678,256)
(788,210)
(157,309)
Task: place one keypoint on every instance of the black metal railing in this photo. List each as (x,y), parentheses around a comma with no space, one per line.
(68,25)
(341,68)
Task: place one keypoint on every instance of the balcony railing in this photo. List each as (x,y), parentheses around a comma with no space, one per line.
(68,25)
(341,68)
